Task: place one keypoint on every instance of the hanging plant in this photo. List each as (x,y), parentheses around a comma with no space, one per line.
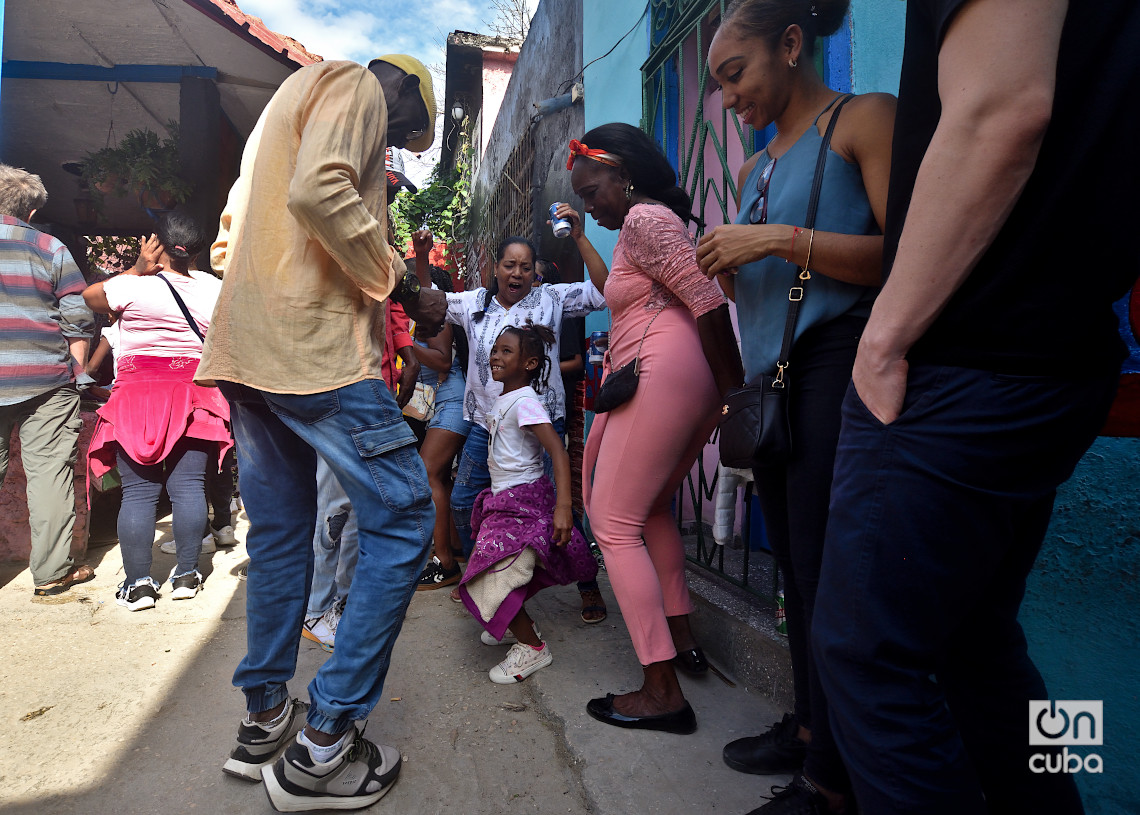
(141,164)
(442,205)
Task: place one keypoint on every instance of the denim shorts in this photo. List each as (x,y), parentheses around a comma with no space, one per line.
(449,405)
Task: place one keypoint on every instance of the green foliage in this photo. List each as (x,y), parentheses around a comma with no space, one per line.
(442,205)
(140,161)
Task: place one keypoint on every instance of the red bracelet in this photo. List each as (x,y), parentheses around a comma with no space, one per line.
(795,234)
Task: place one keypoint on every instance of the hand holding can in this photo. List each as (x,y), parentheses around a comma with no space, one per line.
(561,226)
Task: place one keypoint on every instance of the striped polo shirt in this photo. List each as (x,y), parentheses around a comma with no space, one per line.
(41,304)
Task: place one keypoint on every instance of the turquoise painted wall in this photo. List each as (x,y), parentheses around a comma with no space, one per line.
(1082,612)
(877,28)
(613,90)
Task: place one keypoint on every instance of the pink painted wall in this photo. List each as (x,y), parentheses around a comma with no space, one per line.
(497,69)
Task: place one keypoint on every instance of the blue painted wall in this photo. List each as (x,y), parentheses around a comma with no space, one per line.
(613,90)
(1082,612)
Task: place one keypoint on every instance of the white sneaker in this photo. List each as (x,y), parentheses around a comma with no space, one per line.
(222,537)
(521,662)
(171,548)
(508,637)
(235,505)
(322,630)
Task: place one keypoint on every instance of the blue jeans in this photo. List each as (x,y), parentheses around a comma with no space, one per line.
(183,472)
(471,478)
(360,432)
(335,545)
(935,522)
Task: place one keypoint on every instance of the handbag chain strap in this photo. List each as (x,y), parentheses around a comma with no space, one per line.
(645,333)
(796,292)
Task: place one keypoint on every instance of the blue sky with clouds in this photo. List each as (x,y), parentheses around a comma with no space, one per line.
(362,29)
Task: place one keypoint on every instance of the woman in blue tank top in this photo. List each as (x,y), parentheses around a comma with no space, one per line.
(762,56)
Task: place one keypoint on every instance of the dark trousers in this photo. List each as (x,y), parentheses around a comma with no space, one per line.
(935,522)
(183,474)
(793,500)
(220,490)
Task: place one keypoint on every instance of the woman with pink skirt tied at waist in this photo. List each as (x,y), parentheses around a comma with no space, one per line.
(641,451)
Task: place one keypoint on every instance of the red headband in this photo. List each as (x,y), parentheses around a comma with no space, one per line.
(579,149)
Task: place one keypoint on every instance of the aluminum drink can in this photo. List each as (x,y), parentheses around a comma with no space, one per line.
(599,342)
(561,226)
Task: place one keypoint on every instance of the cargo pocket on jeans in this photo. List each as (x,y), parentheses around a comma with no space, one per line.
(397,470)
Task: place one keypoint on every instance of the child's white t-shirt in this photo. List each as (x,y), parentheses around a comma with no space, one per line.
(150,321)
(514,455)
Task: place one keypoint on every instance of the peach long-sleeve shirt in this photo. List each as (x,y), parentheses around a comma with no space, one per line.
(303,243)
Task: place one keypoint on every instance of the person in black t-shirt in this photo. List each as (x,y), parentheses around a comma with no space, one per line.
(984,373)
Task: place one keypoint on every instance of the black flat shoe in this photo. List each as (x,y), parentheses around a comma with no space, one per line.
(681,722)
(692,661)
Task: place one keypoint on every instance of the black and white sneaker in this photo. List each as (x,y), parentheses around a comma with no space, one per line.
(259,743)
(434,576)
(358,776)
(141,595)
(185,585)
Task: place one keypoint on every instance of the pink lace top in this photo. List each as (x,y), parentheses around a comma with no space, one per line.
(655,264)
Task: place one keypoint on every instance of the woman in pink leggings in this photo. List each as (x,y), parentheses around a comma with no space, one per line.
(667,313)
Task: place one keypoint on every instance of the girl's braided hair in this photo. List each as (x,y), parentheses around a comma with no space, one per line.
(533,340)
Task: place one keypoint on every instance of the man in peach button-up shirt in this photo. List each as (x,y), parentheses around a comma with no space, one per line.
(296,346)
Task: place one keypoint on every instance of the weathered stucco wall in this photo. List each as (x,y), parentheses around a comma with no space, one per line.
(1082,612)
(15,533)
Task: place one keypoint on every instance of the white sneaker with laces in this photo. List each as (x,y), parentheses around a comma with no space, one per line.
(521,662)
(508,637)
(322,630)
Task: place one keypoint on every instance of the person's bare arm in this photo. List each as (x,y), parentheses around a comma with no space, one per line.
(718,341)
(437,355)
(997,100)
(97,356)
(595,266)
(563,513)
(572,365)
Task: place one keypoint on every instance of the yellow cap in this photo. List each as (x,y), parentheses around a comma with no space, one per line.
(413,67)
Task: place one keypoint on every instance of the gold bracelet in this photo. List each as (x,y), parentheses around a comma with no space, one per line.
(806,274)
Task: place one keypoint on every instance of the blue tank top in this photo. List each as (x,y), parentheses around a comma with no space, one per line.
(762,286)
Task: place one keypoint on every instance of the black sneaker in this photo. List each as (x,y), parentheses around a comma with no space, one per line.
(185,586)
(777,752)
(358,776)
(143,594)
(258,745)
(798,798)
(434,576)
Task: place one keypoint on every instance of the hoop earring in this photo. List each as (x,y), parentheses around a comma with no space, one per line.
(792,63)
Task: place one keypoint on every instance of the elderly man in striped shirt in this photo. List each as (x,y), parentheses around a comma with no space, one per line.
(44,328)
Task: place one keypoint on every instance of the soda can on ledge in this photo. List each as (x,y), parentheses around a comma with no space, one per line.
(561,226)
(599,342)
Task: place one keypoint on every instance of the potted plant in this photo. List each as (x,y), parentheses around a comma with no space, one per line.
(141,164)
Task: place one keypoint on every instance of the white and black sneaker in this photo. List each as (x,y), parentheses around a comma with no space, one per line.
(356,777)
(185,585)
(142,594)
(259,743)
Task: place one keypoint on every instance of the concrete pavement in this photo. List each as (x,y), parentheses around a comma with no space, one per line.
(108,711)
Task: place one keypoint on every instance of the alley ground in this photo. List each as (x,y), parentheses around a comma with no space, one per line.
(110,712)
